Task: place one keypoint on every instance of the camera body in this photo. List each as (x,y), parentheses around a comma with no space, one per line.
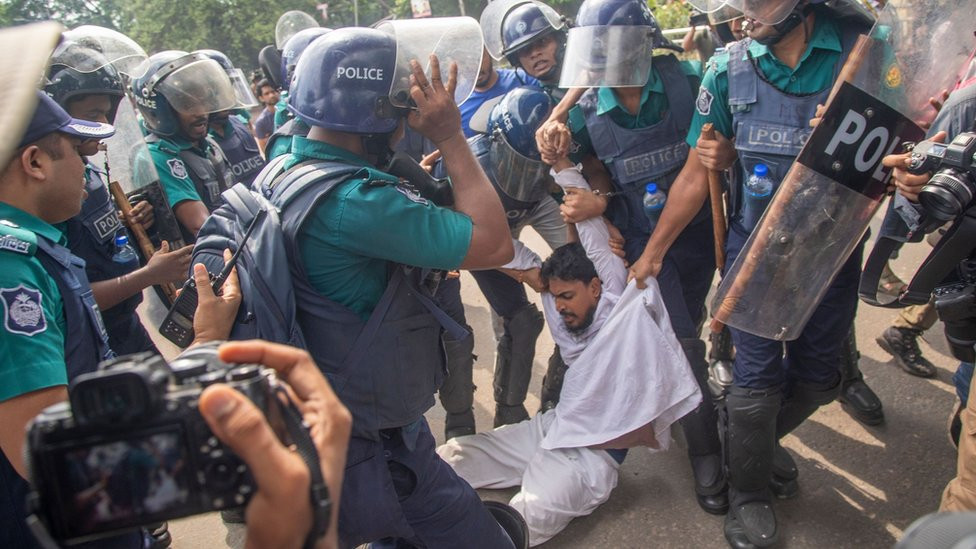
(953,185)
(132,448)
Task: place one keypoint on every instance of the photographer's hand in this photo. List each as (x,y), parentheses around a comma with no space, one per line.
(280,513)
(908,184)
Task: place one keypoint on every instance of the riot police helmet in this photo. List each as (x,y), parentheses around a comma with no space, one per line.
(293,50)
(77,70)
(289,24)
(178,82)
(611,45)
(527,23)
(357,80)
(515,160)
(342,82)
(245,97)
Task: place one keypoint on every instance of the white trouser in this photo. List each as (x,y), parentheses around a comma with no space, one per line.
(557,485)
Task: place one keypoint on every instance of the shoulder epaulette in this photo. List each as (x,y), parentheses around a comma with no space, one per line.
(14,239)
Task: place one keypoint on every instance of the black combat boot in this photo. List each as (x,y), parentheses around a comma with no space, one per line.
(902,343)
(701,432)
(856,398)
(513,364)
(750,443)
(457,391)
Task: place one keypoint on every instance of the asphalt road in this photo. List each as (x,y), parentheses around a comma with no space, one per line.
(859,486)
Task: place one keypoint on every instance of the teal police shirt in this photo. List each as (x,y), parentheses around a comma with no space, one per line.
(813,74)
(33,333)
(173,172)
(653,107)
(367,222)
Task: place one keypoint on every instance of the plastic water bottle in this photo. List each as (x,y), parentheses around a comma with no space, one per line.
(124,252)
(758,192)
(654,199)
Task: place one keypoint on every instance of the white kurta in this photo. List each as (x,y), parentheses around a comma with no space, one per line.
(627,382)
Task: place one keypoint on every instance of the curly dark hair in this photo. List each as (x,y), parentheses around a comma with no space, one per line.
(569,263)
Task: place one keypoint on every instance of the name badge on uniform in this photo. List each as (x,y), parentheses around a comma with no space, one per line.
(23,313)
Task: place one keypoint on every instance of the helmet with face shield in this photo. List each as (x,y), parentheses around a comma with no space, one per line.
(518,168)
(357,80)
(245,97)
(176,81)
(612,45)
(76,70)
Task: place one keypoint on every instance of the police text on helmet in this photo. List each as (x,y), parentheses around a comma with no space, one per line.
(359,73)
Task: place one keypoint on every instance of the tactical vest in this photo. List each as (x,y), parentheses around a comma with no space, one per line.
(515,210)
(241,150)
(86,342)
(635,157)
(771,126)
(210,174)
(387,369)
(91,236)
(286,133)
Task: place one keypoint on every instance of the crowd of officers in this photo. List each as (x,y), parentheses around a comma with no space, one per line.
(364,246)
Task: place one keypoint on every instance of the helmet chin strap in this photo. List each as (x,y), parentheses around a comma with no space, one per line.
(784,27)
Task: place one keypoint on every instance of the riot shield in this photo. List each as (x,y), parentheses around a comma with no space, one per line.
(824,205)
(133,178)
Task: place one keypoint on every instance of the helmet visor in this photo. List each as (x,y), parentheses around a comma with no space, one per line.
(519,177)
(614,56)
(707,6)
(451,39)
(723,15)
(290,23)
(767,12)
(242,90)
(200,87)
(494,15)
(108,46)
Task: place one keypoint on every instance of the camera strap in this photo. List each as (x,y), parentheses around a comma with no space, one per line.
(954,247)
(300,435)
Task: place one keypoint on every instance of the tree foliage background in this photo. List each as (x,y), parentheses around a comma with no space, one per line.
(240,28)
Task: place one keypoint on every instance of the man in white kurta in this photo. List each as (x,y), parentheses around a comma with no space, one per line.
(627,382)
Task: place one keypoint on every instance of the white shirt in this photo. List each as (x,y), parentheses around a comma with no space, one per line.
(627,370)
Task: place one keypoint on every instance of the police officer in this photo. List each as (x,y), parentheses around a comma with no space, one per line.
(288,26)
(635,123)
(84,83)
(774,80)
(533,38)
(175,94)
(52,329)
(352,233)
(229,128)
(280,141)
(509,157)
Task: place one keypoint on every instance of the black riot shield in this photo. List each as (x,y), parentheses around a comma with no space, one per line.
(823,207)
(133,178)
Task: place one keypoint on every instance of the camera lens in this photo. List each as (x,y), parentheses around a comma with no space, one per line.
(946,195)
